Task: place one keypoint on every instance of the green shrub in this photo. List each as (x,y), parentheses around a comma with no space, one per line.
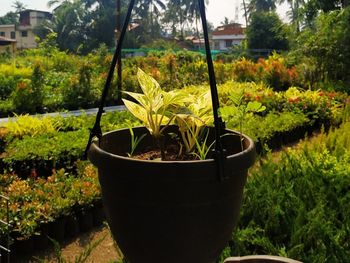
(298,205)
(28,95)
(33,126)
(10,76)
(77,93)
(45,152)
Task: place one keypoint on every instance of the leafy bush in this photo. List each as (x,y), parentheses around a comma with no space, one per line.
(77,94)
(10,75)
(45,152)
(28,95)
(298,205)
(32,126)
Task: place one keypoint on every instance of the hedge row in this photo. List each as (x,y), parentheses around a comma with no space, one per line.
(37,202)
(39,82)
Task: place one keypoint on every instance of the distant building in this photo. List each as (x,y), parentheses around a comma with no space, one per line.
(226,36)
(198,43)
(23,32)
(7,44)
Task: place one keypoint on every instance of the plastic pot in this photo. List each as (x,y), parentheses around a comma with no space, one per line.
(170,211)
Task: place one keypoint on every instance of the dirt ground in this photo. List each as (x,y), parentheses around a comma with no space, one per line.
(104,252)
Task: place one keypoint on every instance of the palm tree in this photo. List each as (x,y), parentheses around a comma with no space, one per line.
(245,13)
(18,6)
(295,6)
(261,6)
(150,11)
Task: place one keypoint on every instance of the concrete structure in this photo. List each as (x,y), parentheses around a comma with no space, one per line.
(226,36)
(23,32)
(7,44)
(198,43)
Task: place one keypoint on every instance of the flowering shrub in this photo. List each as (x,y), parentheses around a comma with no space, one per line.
(69,81)
(36,200)
(274,73)
(244,70)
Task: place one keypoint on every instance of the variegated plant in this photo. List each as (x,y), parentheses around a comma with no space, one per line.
(191,122)
(154,105)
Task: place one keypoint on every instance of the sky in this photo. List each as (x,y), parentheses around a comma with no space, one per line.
(216,11)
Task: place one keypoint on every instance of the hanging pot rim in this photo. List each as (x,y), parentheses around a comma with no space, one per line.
(94,147)
(243,159)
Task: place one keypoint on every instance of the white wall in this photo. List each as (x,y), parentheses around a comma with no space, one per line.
(221,40)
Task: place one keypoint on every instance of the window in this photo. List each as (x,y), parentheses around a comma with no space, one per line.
(216,45)
(24,33)
(13,34)
(2,34)
(228,43)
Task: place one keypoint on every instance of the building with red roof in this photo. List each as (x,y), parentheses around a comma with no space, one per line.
(226,36)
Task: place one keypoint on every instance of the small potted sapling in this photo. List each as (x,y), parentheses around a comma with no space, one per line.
(163,199)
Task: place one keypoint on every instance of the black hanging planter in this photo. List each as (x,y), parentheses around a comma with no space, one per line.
(170,211)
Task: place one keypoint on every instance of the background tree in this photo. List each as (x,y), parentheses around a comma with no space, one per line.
(9,18)
(266,31)
(261,6)
(71,22)
(12,17)
(226,21)
(149,13)
(312,8)
(295,12)
(325,49)
(18,6)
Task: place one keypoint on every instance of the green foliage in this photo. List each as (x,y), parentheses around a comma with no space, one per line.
(266,31)
(78,94)
(193,119)
(202,147)
(9,18)
(134,141)
(10,76)
(297,206)
(26,125)
(28,95)
(154,104)
(325,48)
(240,110)
(45,152)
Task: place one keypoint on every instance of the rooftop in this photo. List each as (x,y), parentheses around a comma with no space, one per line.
(4,41)
(231,29)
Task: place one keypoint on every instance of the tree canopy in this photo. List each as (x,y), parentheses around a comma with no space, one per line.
(266,31)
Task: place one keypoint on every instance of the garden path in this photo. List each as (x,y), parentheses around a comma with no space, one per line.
(104,252)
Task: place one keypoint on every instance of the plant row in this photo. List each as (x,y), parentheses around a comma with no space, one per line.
(31,145)
(38,82)
(37,204)
(297,206)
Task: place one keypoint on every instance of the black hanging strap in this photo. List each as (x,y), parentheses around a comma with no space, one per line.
(220,153)
(96,130)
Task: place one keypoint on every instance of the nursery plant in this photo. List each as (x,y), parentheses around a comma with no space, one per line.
(154,107)
(157,109)
(163,209)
